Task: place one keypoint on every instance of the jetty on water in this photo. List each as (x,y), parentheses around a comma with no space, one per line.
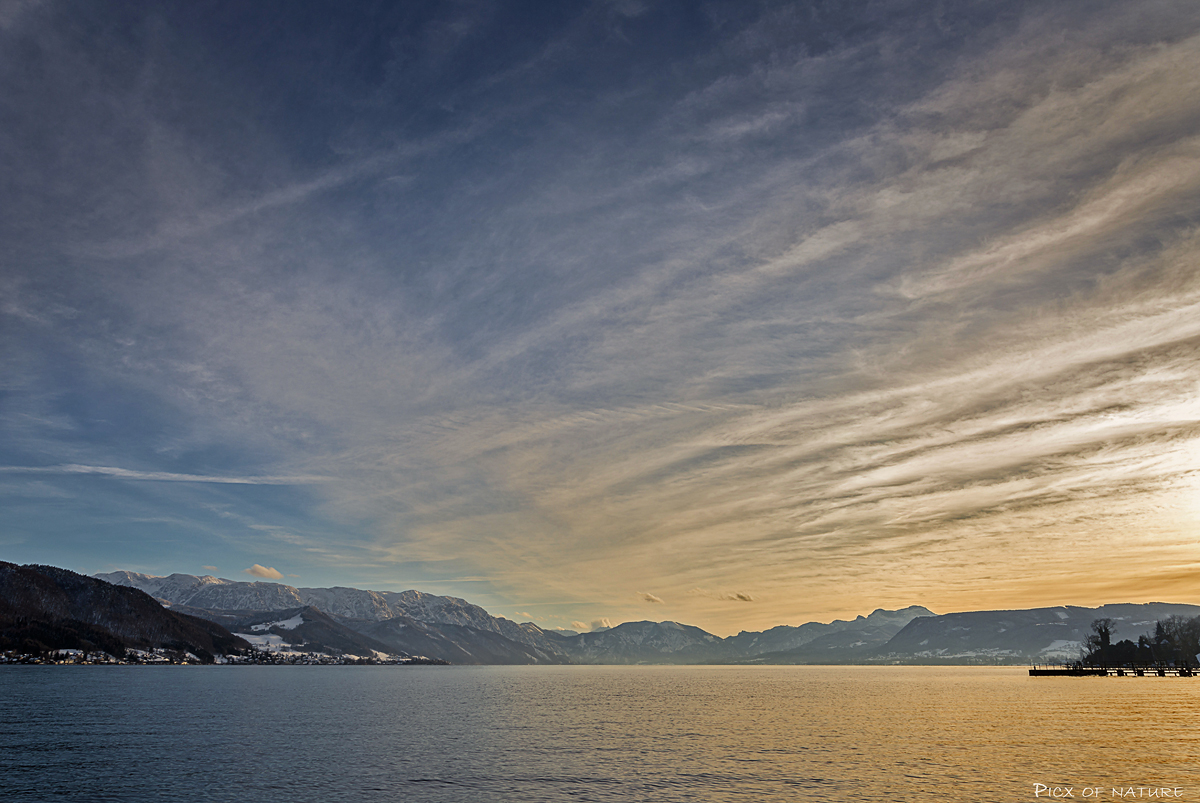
(1113,671)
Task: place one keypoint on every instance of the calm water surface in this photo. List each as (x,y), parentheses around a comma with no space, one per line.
(588,734)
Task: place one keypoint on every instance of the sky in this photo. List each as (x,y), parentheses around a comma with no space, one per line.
(735,314)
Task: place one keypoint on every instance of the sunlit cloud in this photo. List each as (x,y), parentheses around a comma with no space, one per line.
(266,572)
(813,325)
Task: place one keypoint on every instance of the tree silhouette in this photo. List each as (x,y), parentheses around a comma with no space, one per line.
(1176,642)
(1178,638)
(1101,639)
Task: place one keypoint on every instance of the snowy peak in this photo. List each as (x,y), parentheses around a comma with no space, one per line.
(218,594)
(350,603)
(213,593)
(631,642)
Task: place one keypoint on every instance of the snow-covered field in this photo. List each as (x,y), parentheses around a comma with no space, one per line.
(1062,648)
(285,624)
(268,642)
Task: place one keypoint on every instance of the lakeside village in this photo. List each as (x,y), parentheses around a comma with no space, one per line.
(166,657)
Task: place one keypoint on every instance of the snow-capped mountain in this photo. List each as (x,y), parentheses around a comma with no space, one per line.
(210,592)
(455,630)
(218,594)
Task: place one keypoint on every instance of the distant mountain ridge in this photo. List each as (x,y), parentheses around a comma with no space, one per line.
(672,642)
(1036,634)
(642,642)
(452,629)
(459,644)
(872,630)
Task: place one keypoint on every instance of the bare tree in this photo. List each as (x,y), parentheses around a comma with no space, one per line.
(1101,639)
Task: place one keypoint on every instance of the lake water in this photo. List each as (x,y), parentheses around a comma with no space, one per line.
(763,734)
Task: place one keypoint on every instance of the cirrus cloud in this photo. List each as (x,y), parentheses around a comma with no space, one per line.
(817,316)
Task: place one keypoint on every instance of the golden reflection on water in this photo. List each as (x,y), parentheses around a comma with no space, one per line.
(888,733)
(591,733)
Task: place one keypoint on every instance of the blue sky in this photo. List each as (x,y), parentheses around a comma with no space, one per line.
(736,314)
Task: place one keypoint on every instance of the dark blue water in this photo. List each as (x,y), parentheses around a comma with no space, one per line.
(226,733)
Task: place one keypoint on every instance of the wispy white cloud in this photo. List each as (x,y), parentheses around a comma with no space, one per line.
(160,476)
(961,426)
(809,310)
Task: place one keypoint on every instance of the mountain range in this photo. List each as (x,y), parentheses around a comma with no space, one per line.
(454,630)
(44,607)
(409,622)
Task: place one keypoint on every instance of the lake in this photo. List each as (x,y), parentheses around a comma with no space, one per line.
(590,733)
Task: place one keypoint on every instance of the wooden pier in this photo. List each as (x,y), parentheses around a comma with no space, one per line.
(1113,671)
